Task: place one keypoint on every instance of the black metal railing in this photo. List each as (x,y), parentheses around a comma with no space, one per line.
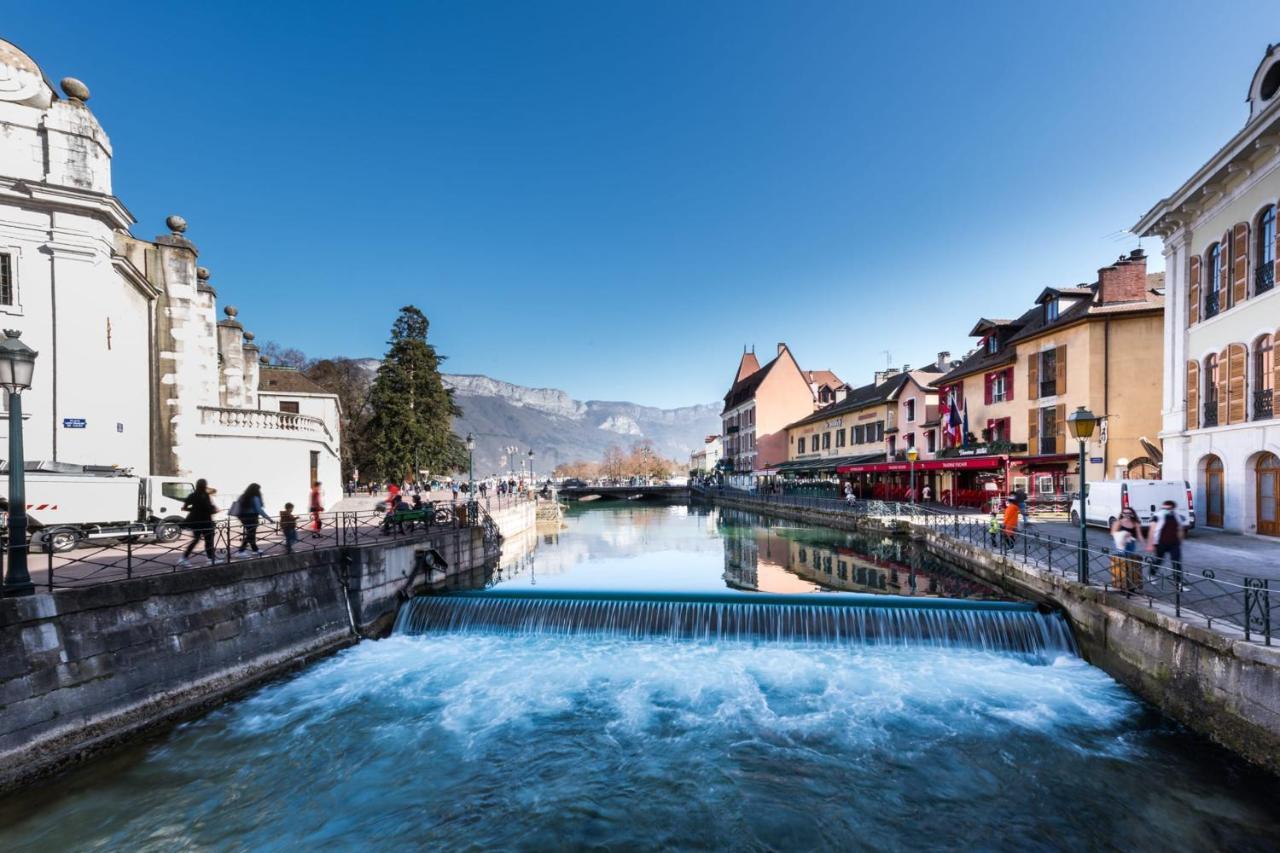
(94,561)
(1262,406)
(1265,277)
(1210,418)
(1048,444)
(1211,304)
(1048,387)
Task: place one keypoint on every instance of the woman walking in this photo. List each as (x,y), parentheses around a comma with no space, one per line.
(1126,531)
(249,510)
(200,509)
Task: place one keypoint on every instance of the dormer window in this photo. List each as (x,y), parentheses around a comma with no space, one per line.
(1051,309)
(1270,83)
(993,345)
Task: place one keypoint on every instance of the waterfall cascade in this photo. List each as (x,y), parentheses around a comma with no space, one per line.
(841,619)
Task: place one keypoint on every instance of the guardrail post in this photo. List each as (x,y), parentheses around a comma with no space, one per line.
(128,560)
(48,550)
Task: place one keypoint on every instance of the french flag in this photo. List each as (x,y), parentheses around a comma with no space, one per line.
(955,423)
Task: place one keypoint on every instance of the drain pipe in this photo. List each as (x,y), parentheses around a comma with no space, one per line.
(344,583)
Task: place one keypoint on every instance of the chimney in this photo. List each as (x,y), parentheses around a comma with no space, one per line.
(1125,280)
(878,378)
(944,358)
(906,368)
(781,347)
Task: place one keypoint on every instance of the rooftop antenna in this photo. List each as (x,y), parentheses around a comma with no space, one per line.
(888,359)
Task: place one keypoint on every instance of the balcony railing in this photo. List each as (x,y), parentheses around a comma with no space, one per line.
(264,421)
(1211,306)
(1048,387)
(1048,444)
(1262,409)
(1210,412)
(1265,278)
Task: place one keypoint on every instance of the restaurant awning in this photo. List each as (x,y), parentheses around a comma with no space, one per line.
(828,463)
(965,464)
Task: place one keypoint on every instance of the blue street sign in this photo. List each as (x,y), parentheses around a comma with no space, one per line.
(73,423)
(1096,460)
(119,427)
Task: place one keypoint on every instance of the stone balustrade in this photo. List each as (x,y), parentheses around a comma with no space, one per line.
(263,421)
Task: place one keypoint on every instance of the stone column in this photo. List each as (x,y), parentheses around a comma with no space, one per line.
(231,357)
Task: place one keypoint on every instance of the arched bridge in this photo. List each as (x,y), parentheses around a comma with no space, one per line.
(624,493)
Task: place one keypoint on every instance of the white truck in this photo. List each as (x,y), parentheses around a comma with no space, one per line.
(69,504)
(1106,499)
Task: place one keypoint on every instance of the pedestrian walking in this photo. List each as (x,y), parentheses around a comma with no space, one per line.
(1011,513)
(1126,531)
(248,508)
(289,527)
(926,494)
(200,510)
(1166,537)
(315,507)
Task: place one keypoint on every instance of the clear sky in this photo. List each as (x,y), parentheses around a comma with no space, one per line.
(614,197)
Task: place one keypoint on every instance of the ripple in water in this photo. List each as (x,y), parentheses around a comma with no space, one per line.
(551,742)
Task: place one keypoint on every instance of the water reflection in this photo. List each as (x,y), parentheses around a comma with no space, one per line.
(677,547)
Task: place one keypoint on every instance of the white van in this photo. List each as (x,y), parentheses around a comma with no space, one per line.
(1105,499)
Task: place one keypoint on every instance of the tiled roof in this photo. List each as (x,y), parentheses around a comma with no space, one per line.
(823,377)
(859,398)
(286,380)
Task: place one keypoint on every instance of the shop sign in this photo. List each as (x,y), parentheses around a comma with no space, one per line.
(834,423)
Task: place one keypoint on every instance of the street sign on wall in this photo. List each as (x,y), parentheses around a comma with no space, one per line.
(73,423)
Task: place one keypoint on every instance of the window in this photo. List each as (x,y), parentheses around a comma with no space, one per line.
(1212,280)
(289,407)
(1044,484)
(1049,373)
(1051,310)
(1270,83)
(998,429)
(839,438)
(826,441)
(176,491)
(1264,277)
(931,440)
(1263,377)
(909,439)
(1210,397)
(893,445)
(859,435)
(800,446)
(998,386)
(993,344)
(911,410)
(6,280)
(1048,430)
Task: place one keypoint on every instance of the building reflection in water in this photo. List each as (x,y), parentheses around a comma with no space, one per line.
(775,555)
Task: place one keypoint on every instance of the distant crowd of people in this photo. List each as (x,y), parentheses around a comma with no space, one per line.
(249,509)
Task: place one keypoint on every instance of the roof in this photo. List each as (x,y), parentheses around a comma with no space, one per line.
(744,389)
(980,360)
(823,377)
(277,379)
(859,398)
(747,366)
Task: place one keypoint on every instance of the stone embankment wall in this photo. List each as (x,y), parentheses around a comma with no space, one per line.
(84,668)
(1213,683)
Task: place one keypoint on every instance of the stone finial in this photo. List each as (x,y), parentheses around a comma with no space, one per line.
(248,337)
(231,311)
(176,224)
(74,89)
(265,361)
(202,273)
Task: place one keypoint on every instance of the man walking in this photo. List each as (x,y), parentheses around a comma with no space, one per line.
(1166,537)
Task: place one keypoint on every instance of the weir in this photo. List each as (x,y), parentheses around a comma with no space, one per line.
(821,618)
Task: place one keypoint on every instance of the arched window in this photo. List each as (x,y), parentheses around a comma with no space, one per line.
(1263,377)
(1210,396)
(1214,491)
(1212,280)
(1265,277)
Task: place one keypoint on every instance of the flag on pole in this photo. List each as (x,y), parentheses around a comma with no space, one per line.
(964,435)
(954,421)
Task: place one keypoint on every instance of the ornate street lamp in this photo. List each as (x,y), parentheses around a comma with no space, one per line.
(912,456)
(1081,422)
(471,464)
(530,467)
(17,364)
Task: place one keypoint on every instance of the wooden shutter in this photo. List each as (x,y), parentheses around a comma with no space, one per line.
(1275,371)
(1235,384)
(1240,263)
(1033,376)
(1224,272)
(1193,395)
(986,383)
(1193,292)
(1060,380)
(1008,384)
(1060,421)
(1223,358)
(1033,432)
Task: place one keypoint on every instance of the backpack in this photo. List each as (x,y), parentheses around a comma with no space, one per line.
(234,512)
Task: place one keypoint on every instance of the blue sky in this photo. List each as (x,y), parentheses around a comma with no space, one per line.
(614,197)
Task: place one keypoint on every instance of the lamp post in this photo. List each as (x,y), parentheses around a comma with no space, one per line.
(530,467)
(912,456)
(471,470)
(17,364)
(1081,422)
(511,450)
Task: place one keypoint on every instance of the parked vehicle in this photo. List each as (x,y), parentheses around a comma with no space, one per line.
(68,504)
(1106,498)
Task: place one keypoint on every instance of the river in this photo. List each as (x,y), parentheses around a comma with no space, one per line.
(485,736)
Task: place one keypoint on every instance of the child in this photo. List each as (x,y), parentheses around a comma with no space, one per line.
(993,529)
(289,527)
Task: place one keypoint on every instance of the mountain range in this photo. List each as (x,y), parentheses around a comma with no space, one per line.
(561,429)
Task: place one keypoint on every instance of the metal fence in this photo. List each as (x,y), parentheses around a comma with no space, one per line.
(1212,594)
(230,541)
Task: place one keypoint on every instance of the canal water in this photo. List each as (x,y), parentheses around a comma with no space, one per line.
(690,715)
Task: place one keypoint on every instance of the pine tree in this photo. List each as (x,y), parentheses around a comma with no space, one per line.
(410,426)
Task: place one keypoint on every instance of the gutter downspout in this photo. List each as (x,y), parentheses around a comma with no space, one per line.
(53,328)
(1106,391)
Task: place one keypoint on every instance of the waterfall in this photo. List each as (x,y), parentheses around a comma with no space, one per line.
(824,618)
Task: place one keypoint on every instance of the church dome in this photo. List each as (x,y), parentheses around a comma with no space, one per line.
(21,80)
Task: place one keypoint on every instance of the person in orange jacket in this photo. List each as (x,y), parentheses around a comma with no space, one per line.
(1011,513)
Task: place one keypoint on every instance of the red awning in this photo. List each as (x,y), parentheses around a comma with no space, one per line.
(1047,459)
(966,464)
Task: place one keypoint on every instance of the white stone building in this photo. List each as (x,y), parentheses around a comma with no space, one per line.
(134,367)
(1222,315)
(705,459)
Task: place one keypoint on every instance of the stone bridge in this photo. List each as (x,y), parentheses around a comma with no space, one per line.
(624,493)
